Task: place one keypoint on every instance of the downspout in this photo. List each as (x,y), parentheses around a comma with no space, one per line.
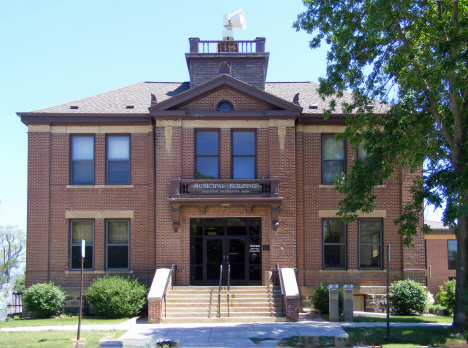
(153,124)
(50,200)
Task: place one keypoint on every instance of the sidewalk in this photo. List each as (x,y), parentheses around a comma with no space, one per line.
(140,333)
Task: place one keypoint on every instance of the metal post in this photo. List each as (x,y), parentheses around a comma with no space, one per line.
(429,278)
(81,288)
(388,285)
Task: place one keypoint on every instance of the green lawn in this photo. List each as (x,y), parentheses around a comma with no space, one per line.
(398,319)
(399,338)
(404,336)
(55,339)
(58,322)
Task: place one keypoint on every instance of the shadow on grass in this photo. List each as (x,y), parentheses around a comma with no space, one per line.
(396,319)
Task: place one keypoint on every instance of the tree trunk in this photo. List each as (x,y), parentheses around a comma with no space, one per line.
(461,293)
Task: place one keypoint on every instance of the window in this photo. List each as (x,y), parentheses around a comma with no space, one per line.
(118,160)
(333,158)
(80,230)
(82,160)
(117,244)
(361,151)
(243,154)
(224,106)
(452,254)
(334,244)
(362,154)
(370,243)
(207,155)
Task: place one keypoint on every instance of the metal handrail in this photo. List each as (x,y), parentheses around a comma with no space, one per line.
(228,285)
(171,274)
(219,289)
(280,282)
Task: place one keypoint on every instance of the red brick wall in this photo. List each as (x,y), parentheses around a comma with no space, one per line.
(413,256)
(37,265)
(312,197)
(436,251)
(138,199)
(296,242)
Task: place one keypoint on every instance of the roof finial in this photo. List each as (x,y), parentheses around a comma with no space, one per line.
(153,99)
(296,99)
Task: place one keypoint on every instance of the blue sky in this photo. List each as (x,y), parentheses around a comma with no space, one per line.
(54,52)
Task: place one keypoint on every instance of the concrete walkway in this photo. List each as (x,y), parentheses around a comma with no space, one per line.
(140,333)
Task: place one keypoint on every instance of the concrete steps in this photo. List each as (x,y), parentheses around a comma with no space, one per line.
(247,304)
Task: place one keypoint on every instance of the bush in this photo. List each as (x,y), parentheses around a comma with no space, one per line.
(407,297)
(44,300)
(446,296)
(319,299)
(117,297)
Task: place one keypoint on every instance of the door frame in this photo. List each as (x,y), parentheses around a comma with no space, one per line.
(225,257)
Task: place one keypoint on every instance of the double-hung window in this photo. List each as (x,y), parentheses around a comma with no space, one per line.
(333,158)
(370,243)
(82,160)
(81,229)
(452,253)
(334,244)
(362,155)
(117,241)
(118,160)
(243,154)
(207,154)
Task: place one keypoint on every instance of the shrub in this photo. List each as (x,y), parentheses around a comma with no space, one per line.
(446,296)
(44,299)
(319,299)
(117,297)
(407,297)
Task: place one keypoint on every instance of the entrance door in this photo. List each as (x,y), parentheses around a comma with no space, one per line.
(216,242)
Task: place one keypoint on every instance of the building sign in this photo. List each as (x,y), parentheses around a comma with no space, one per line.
(224,188)
(253,248)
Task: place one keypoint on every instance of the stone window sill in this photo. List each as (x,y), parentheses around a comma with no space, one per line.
(351,270)
(98,272)
(333,186)
(99,186)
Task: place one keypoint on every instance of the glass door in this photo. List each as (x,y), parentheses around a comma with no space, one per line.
(233,241)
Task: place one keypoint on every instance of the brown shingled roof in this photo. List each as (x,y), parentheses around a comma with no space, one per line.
(139,96)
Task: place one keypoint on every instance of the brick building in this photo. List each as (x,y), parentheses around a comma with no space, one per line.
(225,168)
(441,255)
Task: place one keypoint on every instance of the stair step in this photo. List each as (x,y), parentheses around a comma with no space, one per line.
(223,320)
(200,304)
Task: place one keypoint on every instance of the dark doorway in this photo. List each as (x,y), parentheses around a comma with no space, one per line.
(233,241)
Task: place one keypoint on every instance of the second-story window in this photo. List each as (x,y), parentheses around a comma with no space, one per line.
(82,160)
(118,160)
(243,154)
(333,158)
(207,154)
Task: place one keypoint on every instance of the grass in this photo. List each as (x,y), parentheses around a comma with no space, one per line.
(55,339)
(405,336)
(58,322)
(398,319)
(399,338)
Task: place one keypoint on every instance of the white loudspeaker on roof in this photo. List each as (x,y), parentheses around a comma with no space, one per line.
(235,20)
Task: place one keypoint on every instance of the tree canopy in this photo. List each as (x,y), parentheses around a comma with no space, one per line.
(411,55)
(12,249)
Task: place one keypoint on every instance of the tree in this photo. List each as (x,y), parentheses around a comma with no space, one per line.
(411,55)
(12,250)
